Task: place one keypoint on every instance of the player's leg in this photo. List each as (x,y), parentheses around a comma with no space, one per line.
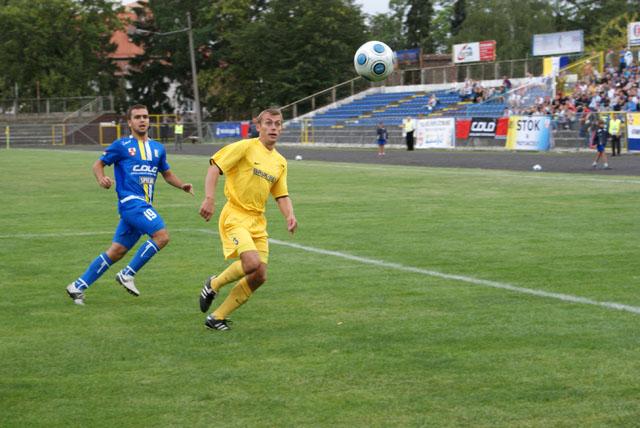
(143,219)
(234,234)
(214,283)
(604,159)
(102,263)
(254,264)
(235,240)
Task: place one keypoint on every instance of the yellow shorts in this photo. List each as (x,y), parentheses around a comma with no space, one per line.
(241,231)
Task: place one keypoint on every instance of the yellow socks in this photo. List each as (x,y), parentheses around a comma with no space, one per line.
(238,295)
(230,274)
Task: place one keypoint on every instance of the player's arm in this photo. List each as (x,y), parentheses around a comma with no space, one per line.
(173,179)
(98,170)
(208,203)
(286,208)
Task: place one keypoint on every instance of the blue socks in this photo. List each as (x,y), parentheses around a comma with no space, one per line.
(95,270)
(102,263)
(143,255)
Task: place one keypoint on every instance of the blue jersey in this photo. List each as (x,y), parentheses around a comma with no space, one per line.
(136,165)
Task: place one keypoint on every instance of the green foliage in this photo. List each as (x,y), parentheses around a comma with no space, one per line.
(268,63)
(458,15)
(60,45)
(511,23)
(166,58)
(612,35)
(418,25)
(387,28)
(591,15)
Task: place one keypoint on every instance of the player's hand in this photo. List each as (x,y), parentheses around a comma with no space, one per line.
(292,224)
(105,182)
(206,209)
(188,187)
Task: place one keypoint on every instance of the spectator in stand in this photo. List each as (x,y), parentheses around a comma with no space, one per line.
(594,104)
(515,100)
(588,72)
(466,91)
(506,83)
(501,93)
(621,62)
(610,58)
(478,93)
(432,103)
(586,121)
(560,118)
(628,59)
(632,104)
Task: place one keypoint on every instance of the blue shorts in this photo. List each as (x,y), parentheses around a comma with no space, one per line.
(600,148)
(136,218)
(382,142)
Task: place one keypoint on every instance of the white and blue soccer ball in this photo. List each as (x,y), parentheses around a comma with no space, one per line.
(374,61)
(537,167)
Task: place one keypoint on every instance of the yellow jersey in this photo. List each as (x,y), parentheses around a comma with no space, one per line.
(252,173)
(614,126)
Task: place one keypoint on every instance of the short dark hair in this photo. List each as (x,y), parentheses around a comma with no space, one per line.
(273,111)
(135,107)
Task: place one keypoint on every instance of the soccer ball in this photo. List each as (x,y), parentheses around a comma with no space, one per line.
(537,167)
(298,157)
(374,61)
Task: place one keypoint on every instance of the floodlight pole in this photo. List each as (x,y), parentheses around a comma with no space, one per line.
(194,74)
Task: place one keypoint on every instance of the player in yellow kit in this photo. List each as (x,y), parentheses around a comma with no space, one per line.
(254,170)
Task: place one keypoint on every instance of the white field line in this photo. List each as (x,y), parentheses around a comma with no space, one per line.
(380,263)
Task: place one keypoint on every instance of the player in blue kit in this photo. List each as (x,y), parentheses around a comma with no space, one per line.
(136,161)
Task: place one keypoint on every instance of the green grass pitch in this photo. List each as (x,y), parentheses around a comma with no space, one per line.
(378,312)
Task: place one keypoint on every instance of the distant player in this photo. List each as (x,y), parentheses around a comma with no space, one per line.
(136,161)
(254,170)
(382,134)
(600,141)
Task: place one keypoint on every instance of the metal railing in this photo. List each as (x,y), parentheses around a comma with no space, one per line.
(447,74)
(47,106)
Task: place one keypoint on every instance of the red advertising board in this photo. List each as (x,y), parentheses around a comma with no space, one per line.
(488,50)
(463,128)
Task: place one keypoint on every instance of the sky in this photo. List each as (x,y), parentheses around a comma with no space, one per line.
(372,7)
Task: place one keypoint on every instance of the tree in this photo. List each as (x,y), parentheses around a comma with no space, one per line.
(458,15)
(590,15)
(418,25)
(59,48)
(266,62)
(511,23)
(165,63)
(613,35)
(388,27)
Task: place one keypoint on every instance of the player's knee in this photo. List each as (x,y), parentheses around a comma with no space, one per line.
(250,266)
(250,262)
(261,274)
(161,238)
(116,252)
